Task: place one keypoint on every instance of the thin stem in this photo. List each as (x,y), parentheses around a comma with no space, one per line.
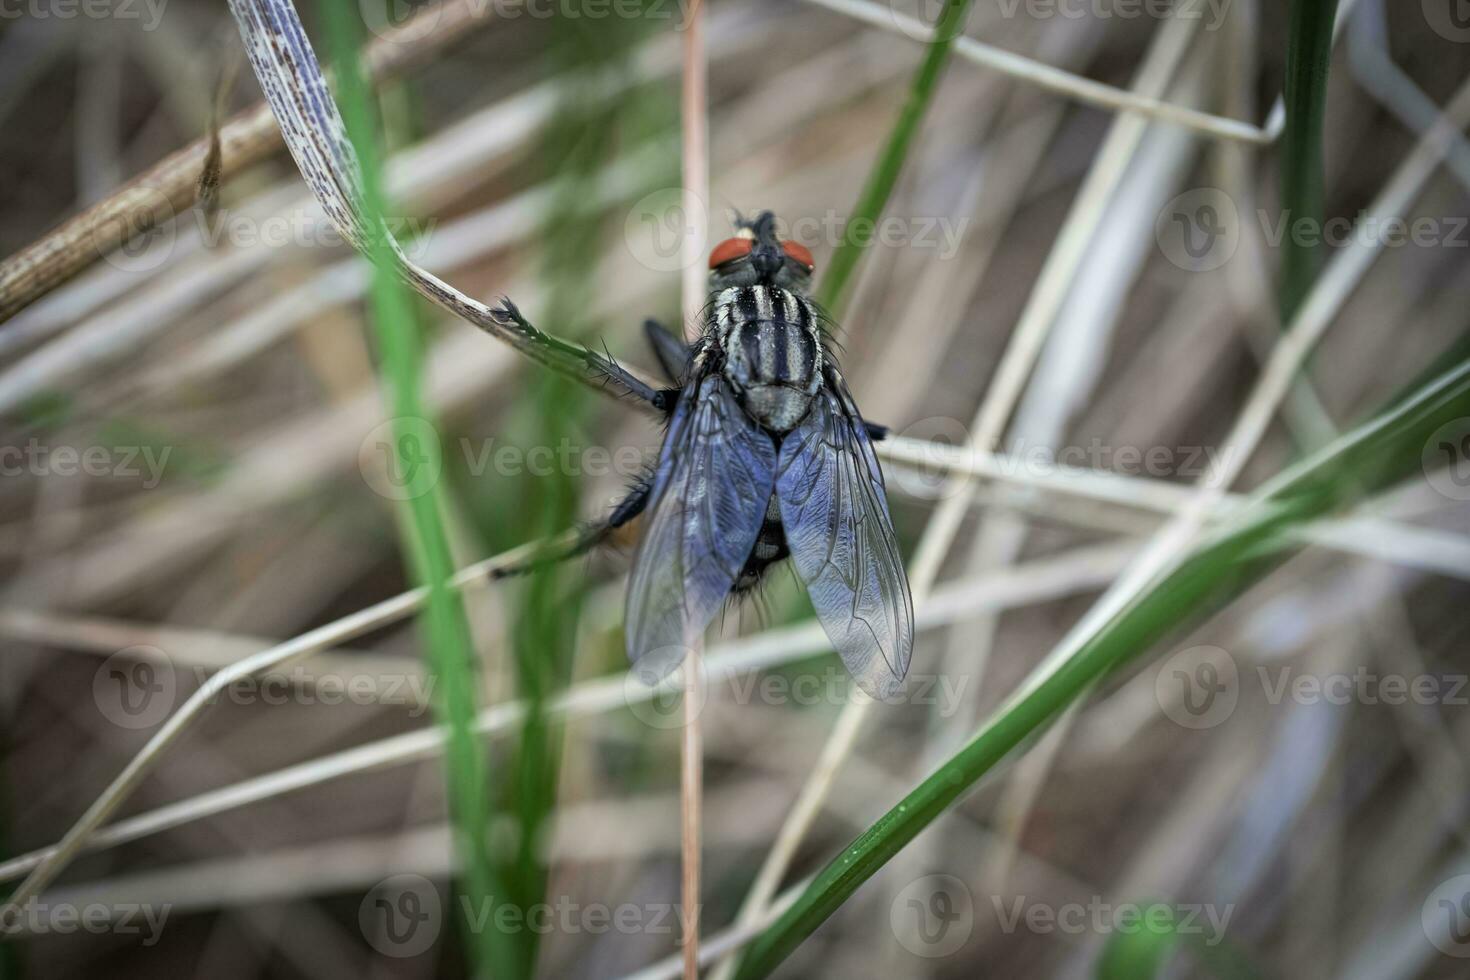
(1308,54)
(695,164)
(884,176)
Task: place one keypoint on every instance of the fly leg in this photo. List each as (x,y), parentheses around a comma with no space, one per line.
(559,353)
(586,538)
(672,352)
(555,350)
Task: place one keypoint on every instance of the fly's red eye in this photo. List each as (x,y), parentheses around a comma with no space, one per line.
(729,250)
(800,254)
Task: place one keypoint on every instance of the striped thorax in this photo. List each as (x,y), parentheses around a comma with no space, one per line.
(773,352)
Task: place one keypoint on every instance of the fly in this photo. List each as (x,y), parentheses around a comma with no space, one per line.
(765,458)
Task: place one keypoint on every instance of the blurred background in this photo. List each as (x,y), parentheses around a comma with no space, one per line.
(197,467)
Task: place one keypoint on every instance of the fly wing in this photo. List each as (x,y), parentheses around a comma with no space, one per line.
(835,513)
(708,500)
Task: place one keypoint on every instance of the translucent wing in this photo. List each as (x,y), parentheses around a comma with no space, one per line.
(835,513)
(709,497)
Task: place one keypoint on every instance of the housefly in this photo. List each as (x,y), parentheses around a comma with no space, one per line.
(765,457)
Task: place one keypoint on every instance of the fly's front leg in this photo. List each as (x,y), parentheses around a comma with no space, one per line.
(672,352)
(559,353)
(587,537)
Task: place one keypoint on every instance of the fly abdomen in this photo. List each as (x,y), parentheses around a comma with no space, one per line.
(770,548)
(773,352)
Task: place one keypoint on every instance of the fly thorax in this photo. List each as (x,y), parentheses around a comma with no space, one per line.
(773,353)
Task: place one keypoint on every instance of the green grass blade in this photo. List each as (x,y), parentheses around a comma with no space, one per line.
(451,653)
(833,291)
(1143,952)
(577,143)
(1368,457)
(1308,56)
